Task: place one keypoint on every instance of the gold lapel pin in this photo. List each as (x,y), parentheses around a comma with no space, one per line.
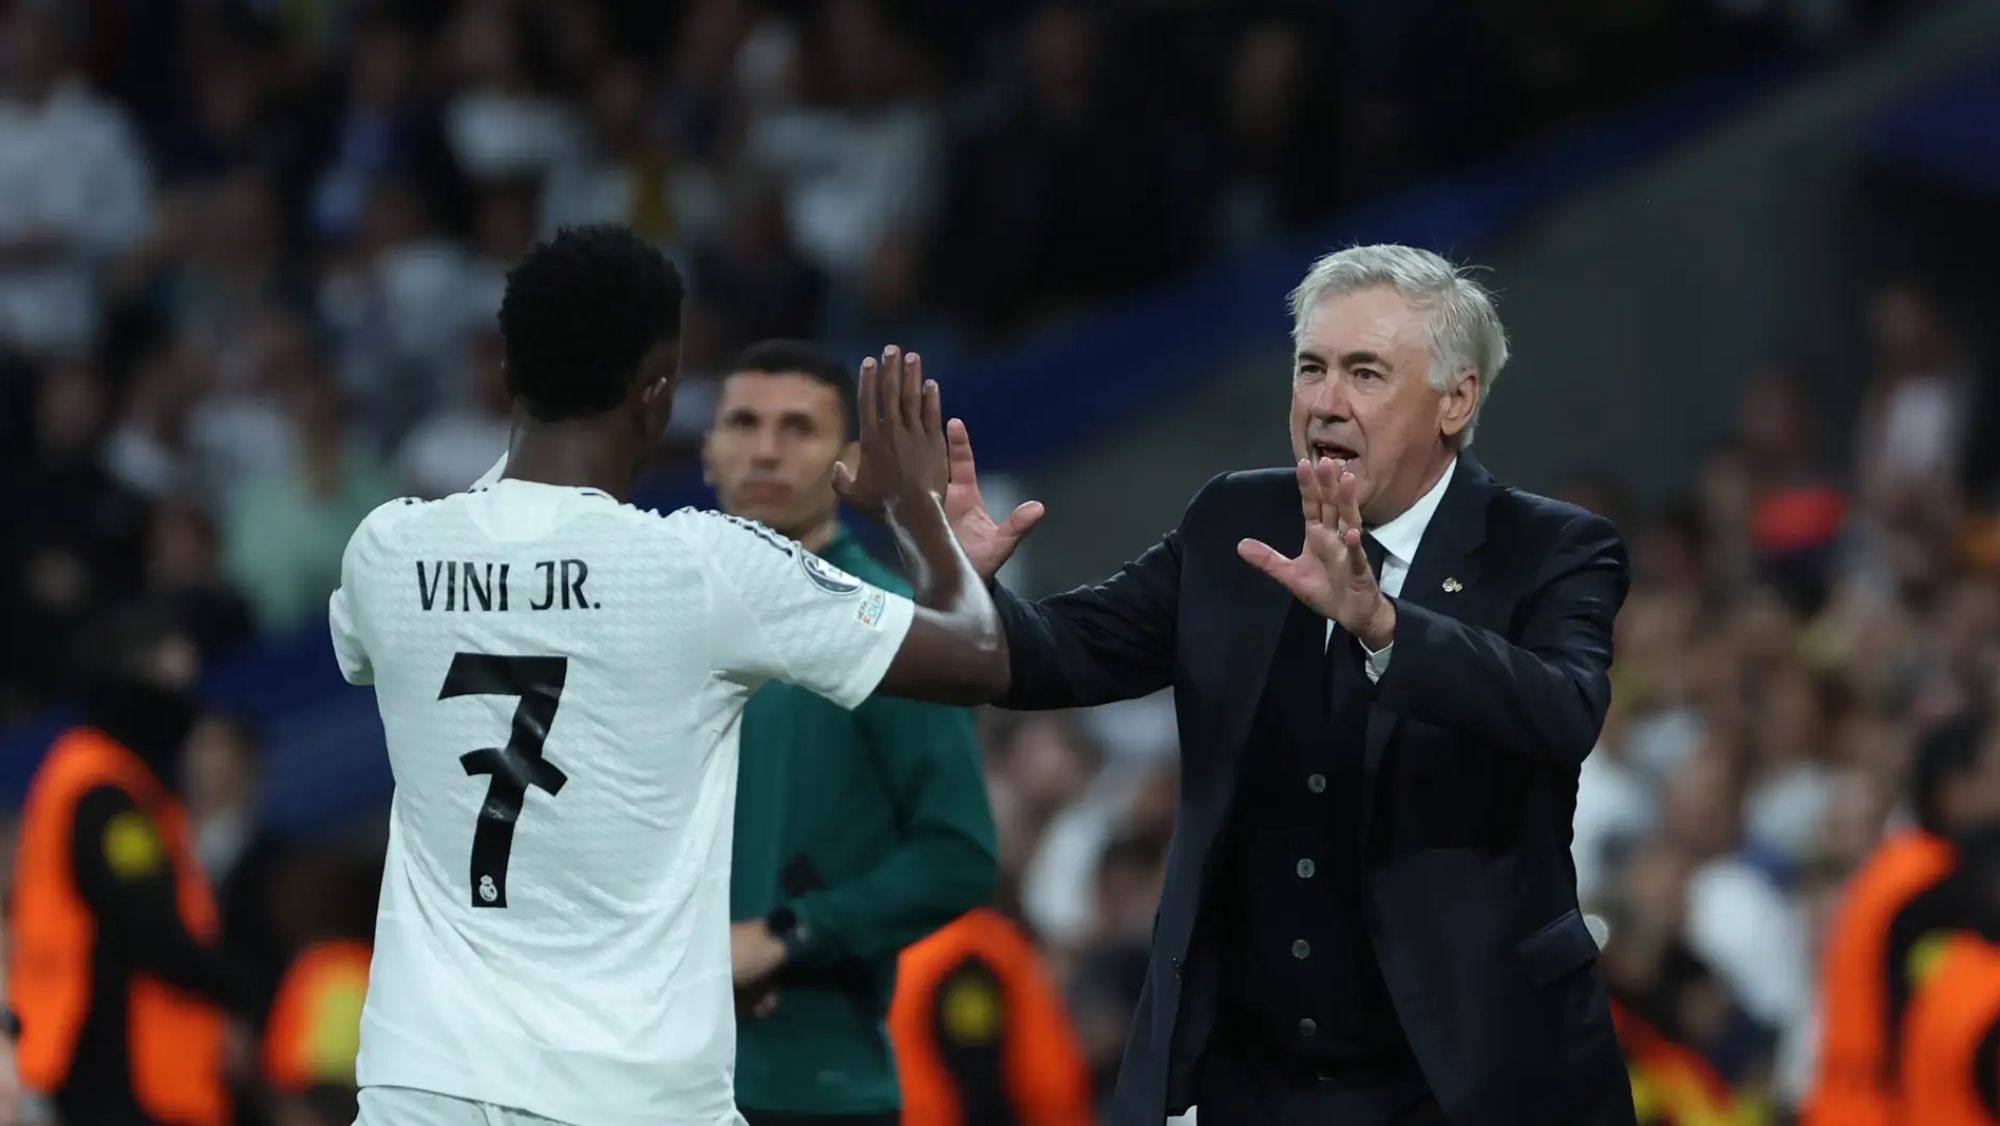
(1453,586)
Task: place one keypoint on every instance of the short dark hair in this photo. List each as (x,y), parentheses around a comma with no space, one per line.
(780,357)
(1944,755)
(580,312)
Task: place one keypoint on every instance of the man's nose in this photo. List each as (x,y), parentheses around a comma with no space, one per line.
(767,447)
(1330,402)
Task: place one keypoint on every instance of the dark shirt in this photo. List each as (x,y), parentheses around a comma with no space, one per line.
(129,883)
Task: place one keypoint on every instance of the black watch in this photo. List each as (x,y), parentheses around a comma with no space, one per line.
(788,928)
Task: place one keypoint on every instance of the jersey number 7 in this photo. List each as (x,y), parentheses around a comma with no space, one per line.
(538,682)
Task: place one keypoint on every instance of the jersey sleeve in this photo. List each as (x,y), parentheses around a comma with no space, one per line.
(342,612)
(777,611)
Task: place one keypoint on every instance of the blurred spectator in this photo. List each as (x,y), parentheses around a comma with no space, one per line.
(1740,922)
(502,120)
(286,531)
(109,892)
(1051,768)
(184,570)
(314,1034)
(448,451)
(237,427)
(1614,807)
(222,775)
(750,282)
(73,185)
(77,545)
(327,907)
(1951,975)
(1903,893)
(371,125)
(1272,164)
(1786,803)
(1061,200)
(235,269)
(628,172)
(854,146)
(150,449)
(396,308)
(1918,400)
(1110,971)
(981,1033)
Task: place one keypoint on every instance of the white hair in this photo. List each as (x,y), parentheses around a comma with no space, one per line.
(1465,333)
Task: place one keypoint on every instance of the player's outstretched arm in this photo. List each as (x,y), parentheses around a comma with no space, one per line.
(955,651)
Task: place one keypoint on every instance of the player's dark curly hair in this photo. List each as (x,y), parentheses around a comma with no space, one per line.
(580,312)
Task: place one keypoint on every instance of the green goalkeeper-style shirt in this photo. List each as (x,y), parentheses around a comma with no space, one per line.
(873,827)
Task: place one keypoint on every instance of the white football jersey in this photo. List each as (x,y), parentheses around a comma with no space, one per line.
(561,679)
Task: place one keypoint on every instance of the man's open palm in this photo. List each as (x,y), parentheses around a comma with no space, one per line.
(1331,572)
(987,544)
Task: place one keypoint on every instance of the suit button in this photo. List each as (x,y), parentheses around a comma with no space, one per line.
(1302,950)
(1307,1027)
(1316,783)
(1176,963)
(1306,869)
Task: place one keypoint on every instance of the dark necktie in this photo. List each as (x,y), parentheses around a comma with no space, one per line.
(1344,655)
(1376,553)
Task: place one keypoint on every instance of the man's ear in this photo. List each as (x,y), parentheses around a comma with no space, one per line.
(707,470)
(656,389)
(1456,406)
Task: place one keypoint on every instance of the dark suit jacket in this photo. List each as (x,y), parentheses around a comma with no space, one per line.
(1495,692)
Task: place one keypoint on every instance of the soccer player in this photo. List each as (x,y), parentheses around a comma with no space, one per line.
(561,677)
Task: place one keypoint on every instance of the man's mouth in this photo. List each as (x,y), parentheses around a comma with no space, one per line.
(1333,450)
(766,491)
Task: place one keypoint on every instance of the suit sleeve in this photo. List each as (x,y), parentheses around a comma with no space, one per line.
(1542,696)
(127,879)
(1097,644)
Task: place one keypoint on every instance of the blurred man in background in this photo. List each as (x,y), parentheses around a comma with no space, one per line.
(74,185)
(857,832)
(1903,893)
(1947,1041)
(982,1034)
(123,996)
(314,1032)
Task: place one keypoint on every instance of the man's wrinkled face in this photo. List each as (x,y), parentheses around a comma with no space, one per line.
(1361,393)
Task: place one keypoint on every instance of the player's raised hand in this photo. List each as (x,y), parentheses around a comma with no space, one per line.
(1331,572)
(986,543)
(902,448)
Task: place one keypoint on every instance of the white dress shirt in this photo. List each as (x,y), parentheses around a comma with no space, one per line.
(1399,539)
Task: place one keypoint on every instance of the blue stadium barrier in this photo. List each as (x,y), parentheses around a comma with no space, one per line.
(1946,130)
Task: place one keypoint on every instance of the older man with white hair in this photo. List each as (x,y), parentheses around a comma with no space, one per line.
(1388,670)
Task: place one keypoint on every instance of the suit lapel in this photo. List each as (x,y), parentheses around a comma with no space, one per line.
(1448,551)
(1263,606)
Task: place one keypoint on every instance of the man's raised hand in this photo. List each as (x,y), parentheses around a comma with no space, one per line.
(1331,572)
(987,544)
(902,436)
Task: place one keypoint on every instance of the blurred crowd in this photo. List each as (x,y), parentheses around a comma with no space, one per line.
(250,251)
(1818,609)
(250,254)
